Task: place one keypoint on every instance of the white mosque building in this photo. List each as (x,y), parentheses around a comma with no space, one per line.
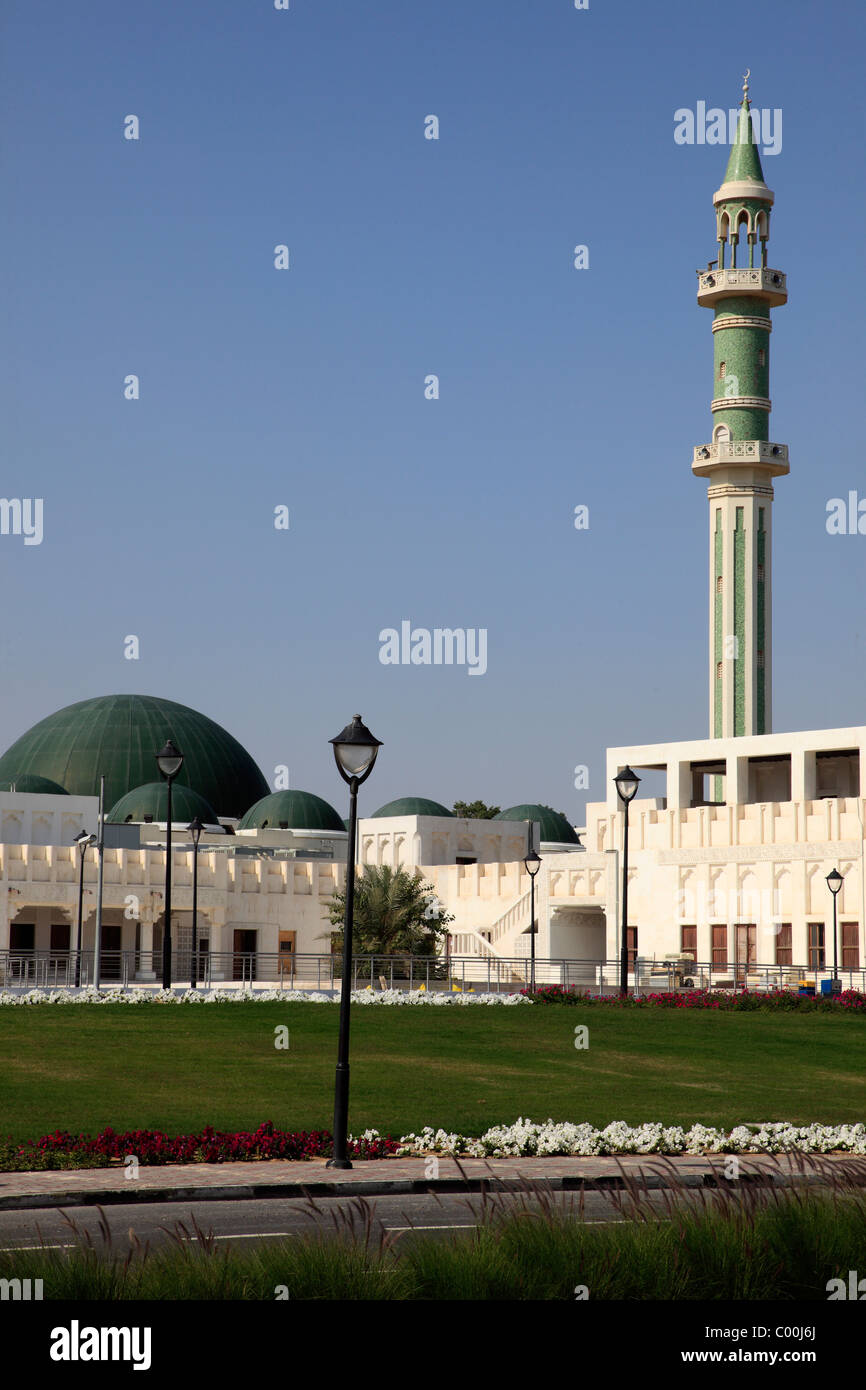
(727,871)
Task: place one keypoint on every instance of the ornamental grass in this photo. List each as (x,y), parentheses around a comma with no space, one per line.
(738,1240)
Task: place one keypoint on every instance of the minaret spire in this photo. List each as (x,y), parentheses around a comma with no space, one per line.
(745,162)
(740,462)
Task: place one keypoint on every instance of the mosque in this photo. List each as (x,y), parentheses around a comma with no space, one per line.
(727,871)
(267,861)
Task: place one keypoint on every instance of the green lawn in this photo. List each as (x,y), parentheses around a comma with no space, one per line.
(178,1068)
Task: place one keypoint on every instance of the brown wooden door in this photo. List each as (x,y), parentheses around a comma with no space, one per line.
(59,936)
(850,932)
(746,949)
(243,958)
(59,957)
(285,966)
(109,964)
(22,936)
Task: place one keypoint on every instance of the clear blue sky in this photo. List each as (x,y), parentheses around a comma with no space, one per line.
(306,387)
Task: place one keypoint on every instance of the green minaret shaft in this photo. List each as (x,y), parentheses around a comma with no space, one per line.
(740,462)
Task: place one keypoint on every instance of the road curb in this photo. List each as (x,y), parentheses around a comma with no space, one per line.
(383,1187)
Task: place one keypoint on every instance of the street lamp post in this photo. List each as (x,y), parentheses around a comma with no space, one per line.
(834,883)
(532,863)
(169,761)
(83,841)
(196,826)
(355,751)
(627,783)
(100,861)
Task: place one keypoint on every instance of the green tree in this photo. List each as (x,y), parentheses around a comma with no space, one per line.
(474,810)
(395,913)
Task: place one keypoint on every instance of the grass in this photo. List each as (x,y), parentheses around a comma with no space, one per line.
(748,1244)
(177,1069)
(181,1068)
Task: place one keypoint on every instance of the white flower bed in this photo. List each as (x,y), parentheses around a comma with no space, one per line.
(417,996)
(245,996)
(526,1139)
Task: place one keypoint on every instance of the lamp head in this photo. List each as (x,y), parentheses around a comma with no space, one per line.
(355,750)
(532,863)
(169,760)
(627,783)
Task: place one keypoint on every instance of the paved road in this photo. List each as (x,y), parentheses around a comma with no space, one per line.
(270,1200)
(274,1218)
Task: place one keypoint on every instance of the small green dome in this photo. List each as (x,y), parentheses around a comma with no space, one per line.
(120,735)
(413,806)
(291,810)
(31,783)
(555,829)
(151,801)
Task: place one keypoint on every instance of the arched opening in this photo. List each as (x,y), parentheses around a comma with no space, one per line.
(724,230)
(740,238)
(762,227)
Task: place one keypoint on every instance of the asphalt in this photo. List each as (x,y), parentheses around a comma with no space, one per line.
(382,1177)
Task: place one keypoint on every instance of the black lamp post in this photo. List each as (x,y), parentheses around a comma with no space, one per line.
(627,783)
(83,841)
(355,751)
(169,761)
(532,863)
(196,826)
(834,883)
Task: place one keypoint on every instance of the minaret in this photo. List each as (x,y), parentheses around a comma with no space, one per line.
(740,462)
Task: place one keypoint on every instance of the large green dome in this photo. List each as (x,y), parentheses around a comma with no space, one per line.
(291,810)
(413,806)
(29,783)
(120,735)
(555,829)
(151,801)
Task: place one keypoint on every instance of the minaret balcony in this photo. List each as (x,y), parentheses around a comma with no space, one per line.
(750,453)
(770,286)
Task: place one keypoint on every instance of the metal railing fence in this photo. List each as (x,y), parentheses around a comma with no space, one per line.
(22,970)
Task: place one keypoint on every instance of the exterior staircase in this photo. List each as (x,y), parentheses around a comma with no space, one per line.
(498,942)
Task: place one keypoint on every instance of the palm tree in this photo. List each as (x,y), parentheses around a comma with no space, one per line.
(395,913)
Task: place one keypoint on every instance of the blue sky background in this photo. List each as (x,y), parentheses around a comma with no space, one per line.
(306,387)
